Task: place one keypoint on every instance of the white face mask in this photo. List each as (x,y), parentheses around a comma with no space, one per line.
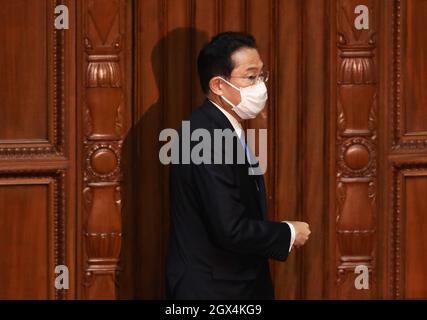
(253,99)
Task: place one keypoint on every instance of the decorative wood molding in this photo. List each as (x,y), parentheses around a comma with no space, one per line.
(356,140)
(103,114)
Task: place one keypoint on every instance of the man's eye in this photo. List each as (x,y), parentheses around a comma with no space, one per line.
(252,77)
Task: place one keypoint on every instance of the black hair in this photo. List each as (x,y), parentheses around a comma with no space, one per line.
(215,57)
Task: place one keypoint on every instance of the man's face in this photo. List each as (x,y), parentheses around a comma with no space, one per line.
(247,66)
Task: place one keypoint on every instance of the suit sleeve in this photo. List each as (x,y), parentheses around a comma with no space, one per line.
(225,216)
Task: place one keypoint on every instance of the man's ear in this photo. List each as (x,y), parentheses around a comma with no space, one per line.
(215,86)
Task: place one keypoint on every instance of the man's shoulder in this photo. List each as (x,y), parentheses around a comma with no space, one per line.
(200,118)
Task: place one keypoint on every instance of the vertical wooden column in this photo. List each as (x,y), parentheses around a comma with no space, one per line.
(356,148)
(104,119)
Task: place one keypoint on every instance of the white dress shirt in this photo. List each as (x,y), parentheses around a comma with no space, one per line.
(238,128)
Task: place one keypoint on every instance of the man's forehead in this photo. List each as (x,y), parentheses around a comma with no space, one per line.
(247,59)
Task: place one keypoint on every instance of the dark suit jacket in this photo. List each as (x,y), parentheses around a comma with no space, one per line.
(220,241)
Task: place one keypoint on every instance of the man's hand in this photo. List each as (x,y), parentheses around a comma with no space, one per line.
(302,232)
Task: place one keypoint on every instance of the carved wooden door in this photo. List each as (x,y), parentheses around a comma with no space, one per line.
(37,151)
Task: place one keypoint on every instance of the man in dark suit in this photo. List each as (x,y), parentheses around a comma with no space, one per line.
(220,239)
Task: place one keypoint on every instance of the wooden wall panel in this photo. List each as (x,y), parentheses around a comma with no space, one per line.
(146,126)
(415,224)
(414,81)
(287,80)
(410,104)
(314,147)
(31,236)
(32,32)
(231,15)
(37,150)
(407,221)
(33,82)
(205,24)
(300,93)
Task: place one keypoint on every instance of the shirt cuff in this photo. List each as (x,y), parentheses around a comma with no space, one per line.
(292,235)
